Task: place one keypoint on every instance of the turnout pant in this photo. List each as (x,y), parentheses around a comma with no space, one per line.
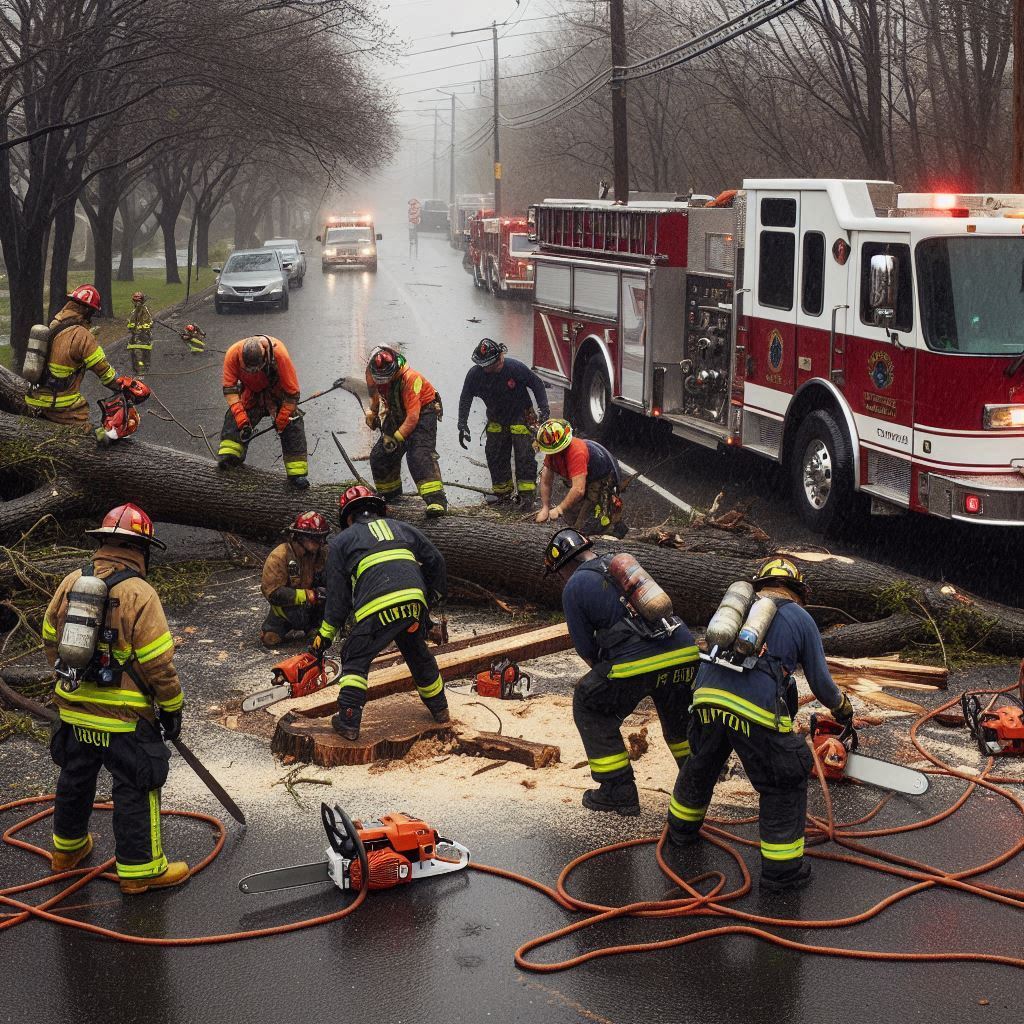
(407,626)
(141,346)
(420,452)
(280,620)
(600,704)
(508,442)
(293,439)
(777,765)
(137,762)
(600,511)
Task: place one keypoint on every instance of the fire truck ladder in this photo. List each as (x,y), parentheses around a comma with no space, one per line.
(625,232)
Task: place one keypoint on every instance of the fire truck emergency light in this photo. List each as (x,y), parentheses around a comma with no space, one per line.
(972,504)
(1003,417)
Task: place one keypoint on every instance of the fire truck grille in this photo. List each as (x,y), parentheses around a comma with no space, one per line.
(889,474)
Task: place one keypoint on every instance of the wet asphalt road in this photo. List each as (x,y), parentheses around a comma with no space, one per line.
(442,950)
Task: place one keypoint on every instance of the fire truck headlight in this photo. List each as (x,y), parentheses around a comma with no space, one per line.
(330,252)
(367,250)
(1003,417)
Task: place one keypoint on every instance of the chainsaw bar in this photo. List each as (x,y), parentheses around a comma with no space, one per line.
(889,776)
(264,698)
(286,878)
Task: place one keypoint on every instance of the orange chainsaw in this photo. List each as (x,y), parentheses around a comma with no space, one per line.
(998,728)
(505,680)
(295,677)
(395,850)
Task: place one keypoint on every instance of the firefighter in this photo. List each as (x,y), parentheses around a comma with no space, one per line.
(107,713)
(504,385)
(752,713)
(408,422)
(591,473)
(387,575)
(628,660)
(293,580)
(73,350)
(141,325)
(260,380)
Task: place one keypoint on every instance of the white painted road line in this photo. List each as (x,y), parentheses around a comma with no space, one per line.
(657,488)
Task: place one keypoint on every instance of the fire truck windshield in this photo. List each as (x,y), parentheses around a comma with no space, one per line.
(519,245)
(972,294)
(353,236)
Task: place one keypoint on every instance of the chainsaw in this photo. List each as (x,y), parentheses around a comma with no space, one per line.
(505,680)
(395,850)
(836,747)
(119,417)
(295,677)
(996,730)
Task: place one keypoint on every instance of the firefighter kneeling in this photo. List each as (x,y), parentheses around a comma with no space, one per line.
(293,580)
(633,652)
(752,711)
(106,634)
(386,574)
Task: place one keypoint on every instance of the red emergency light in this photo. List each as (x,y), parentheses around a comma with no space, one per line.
(972,504)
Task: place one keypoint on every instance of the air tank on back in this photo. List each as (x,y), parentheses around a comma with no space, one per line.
(753,630)
(648,599)
(37,352)
(87,601)
(725,623)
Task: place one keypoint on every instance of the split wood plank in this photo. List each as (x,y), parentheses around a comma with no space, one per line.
(890,668)
(507,748)
(873,693)
(460,643)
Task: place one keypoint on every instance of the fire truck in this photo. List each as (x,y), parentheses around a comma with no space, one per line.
(460,215)
(865,339)
(499,255)
(349,241)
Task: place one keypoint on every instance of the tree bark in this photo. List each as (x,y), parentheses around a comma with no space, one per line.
(63,232)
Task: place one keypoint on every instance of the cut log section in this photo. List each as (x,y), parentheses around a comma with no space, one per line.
(892,672)
(507,748)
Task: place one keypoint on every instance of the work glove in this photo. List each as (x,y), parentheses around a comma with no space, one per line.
(390,443)
(318,647)
(844,713)
(372,420)
(321,595)
(283,418)
(170,723)
(464,436)
(245,433)
(241,416)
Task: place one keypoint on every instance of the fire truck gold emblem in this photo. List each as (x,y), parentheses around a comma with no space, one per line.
(880,366)
(775,350)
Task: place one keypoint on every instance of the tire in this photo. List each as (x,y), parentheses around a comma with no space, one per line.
(283,304)
(300,281)
(372,267)
(478,281)
(492,284)
(592,403)
(218,308)
(821,473)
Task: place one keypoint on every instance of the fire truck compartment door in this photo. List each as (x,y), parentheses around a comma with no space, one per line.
(634,335)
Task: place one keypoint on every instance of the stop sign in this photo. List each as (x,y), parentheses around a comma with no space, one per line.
(414,211)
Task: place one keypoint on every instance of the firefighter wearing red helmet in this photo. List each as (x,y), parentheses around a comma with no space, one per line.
(73,350)
(293,580)
(386,575)
(140,324)
(407,408)
(260,380)
(118,695)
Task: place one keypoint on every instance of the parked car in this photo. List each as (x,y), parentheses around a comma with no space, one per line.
(434,216)
(293,258)
(252,277)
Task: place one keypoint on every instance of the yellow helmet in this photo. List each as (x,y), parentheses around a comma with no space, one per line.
(554,436)
(780,572)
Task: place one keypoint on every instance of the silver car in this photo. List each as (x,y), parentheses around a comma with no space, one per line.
(293,258)
(252,277)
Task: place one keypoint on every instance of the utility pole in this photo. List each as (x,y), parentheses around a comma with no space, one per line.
(497,141)
(1018,96)
(620,142)
(451,160)
(433,187)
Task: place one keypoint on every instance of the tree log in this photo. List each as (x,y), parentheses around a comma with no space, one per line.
(507,748)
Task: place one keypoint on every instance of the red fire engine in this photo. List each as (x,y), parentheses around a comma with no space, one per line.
(475,245)
(500,252)
(867,340)
(459,216)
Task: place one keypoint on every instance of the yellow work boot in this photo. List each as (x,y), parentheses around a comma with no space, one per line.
(176,873)
(67,860)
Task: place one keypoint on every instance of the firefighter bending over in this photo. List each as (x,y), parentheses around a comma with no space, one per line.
(629,660)
(386,574)
(260,380)
(293,580)
(106,634)
(140,323)
(404,404)
(590,471)
(752,713)
(505,384)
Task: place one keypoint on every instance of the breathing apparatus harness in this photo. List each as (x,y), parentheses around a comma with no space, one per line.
(634,624)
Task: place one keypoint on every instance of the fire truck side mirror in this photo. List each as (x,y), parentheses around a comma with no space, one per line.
(883,289)
(380,237)
(531,224)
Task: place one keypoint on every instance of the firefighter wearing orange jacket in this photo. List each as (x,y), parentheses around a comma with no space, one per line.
(404,404)
(260,380)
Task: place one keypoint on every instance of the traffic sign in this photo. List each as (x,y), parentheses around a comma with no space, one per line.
(414,211)
(414,218)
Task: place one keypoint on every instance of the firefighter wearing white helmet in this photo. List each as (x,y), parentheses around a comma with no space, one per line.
(751,712)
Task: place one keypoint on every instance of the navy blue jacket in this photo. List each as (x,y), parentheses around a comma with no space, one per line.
(506,394)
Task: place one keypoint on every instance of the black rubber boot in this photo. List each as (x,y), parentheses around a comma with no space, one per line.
(300,483)
(525,503)
(619,795)
(228,461)
(794,880)
(681,838)
(497,499)
(442,715)
(342,724)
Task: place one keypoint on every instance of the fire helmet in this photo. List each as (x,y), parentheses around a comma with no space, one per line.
(554,436)
(138,297)
(128,523)
(385,363)
(780,572)
(310,524)
(359,498)
(488,352)
(256,352)
(563,547)
(87,295)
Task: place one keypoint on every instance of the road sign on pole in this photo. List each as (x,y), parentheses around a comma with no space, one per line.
(414,211)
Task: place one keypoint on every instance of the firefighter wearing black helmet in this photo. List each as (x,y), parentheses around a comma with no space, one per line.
(625,666)
(292,580)
(386,575)
(751,712)
(505,385)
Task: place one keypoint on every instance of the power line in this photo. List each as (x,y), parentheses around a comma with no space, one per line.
(466,63)
(470,42)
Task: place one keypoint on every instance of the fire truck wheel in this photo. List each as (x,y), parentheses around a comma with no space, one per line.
(593,405)
(477,279)
(822,472)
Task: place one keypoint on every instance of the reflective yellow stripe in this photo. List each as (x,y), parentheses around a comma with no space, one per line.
(122,654)
(151,869)
(519,428)
(743,708)
(430,487)
(526,485)
(155,846)
(59,370)
(387,600)
(300,467)
(73,717)
(278,611)
(69,845)
(684,813)
(432,690)
(380,529)
(164,642)
(388,486)
(783,851)
(229,447)
(494,428)
(327,631)
(108,375)
(43,401)
(502,488)
(681,656)
(397,435)
(354,682)
(87,693)
(174,704)
(611,763)
(93,358)
(679,750)
(300,596)
(397,555)
(49,633)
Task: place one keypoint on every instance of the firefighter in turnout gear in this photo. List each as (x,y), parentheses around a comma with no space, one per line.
(293,580)
(113,654)
(751,712)
(404,404)
(505,384)
(387,575)
(140,323)
(591,473)
(260,380)
(73,350)
(628,662)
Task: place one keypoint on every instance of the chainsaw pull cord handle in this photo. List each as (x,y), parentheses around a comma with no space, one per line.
(348,845)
